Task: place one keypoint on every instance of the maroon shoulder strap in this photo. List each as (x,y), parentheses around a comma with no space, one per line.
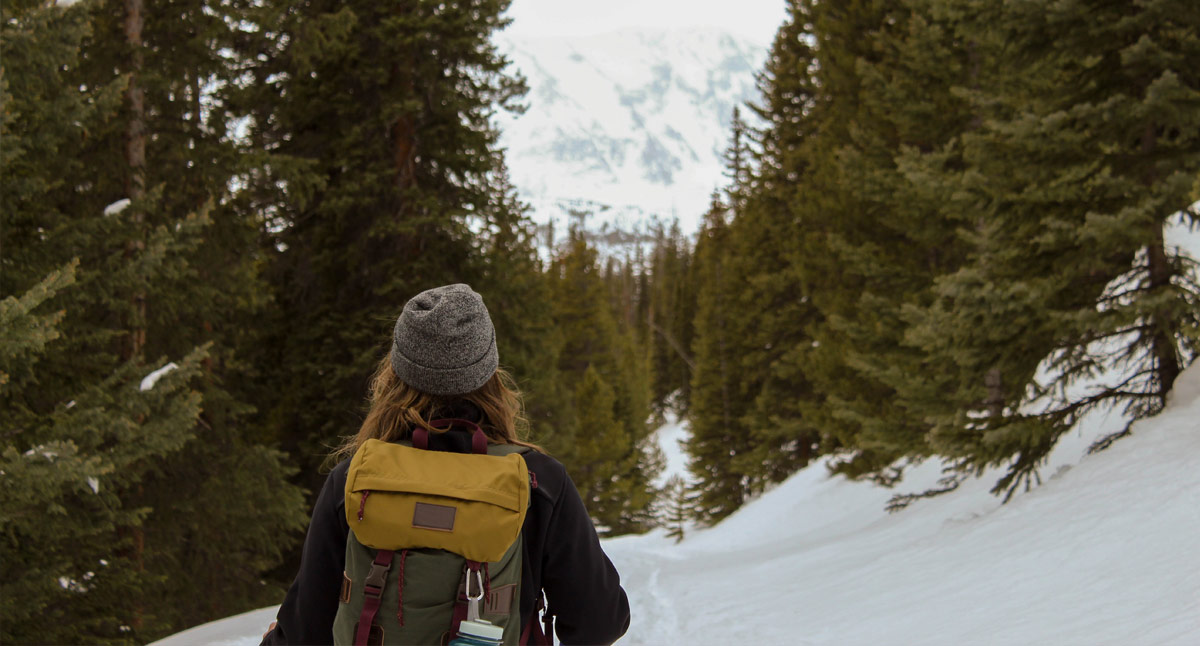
(372,595)
(533,633)
(478,438)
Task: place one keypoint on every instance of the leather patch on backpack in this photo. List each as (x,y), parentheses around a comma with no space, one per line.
(374,636)
(499,600)
(346,584)
(436,517)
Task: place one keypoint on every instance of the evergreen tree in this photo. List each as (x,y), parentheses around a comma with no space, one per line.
(753,307)
(379,159)
(716,411)
(151,286)
(775,298)
(518,296)
(811,96)
(668,314)
(601,443)
(678,508)
(67,561)
(608,444)
(1088,149)
(70,460)
(173,137)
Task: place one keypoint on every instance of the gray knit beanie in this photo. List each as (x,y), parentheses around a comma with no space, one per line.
(444,342)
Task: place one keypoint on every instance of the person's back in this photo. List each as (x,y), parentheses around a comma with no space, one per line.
(444,365)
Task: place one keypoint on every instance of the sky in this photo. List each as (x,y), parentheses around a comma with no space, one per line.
(753,19)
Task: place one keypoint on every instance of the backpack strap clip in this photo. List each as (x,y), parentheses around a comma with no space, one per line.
(373,593)
(377,575)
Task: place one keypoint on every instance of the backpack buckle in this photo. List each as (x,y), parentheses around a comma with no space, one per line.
(377,575)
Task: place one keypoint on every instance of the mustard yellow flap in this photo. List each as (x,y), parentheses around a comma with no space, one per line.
(472,505)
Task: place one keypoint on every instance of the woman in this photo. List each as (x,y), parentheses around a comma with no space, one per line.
(444,364)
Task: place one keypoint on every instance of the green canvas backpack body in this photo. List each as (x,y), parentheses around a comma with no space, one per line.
(428,530)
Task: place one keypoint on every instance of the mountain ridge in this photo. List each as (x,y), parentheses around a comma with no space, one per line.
(626,125)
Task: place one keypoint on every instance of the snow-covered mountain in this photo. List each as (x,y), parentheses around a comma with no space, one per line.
(626,125)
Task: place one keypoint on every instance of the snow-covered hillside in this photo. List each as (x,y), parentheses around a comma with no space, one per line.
(626,125)
(1107,551)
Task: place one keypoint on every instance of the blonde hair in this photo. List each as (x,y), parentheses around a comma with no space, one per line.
(397,408)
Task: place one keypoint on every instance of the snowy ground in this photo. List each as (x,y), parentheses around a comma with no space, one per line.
(1107,551)
(672,439)
(245,629)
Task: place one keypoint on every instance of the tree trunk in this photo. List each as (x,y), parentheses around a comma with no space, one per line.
(673,342)
(1162,343)
(404,132)
(994,381)
(135,160)
(135,189)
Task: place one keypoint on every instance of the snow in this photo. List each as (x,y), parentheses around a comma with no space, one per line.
(1106,551)
(151,379)
(119,205)
(67,583)
(245,629)
(672,438)
(1111,372)
(753,19)
(41,450)
(626,125)
(1180,238)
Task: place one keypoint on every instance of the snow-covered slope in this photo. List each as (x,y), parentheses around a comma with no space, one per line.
(1107,551)
(245,629)
(626,125)
(672,438)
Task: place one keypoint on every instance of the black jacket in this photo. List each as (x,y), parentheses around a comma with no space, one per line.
(562,556)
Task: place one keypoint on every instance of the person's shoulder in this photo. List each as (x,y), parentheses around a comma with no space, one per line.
(551,474)
(543,461)
(335,482)
(337,475)
(341,468)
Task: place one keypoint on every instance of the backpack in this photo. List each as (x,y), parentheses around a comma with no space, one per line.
(428,529)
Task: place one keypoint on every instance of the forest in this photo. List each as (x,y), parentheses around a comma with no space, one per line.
(940,218)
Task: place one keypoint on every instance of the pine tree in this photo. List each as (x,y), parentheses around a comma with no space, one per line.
(775,298)
(753,308)
(679,506)
(102,127)
(608,443)
(1086,152)
(716,412)
(669,312)
(518,294)
(379,158)
(600,441)
(68,563)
